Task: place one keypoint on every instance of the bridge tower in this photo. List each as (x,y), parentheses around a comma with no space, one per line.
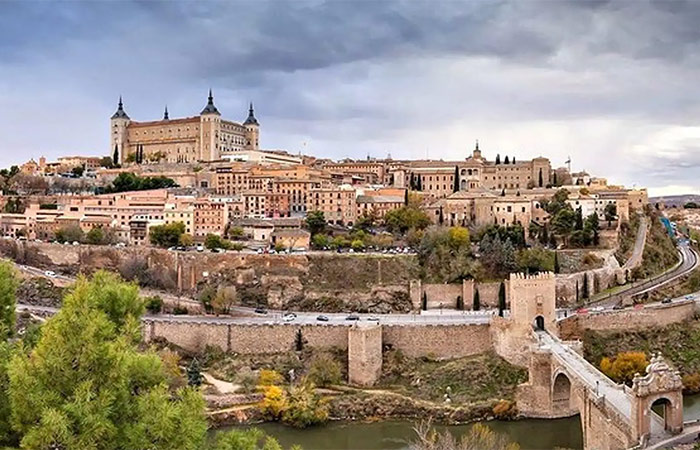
(661,386)
(532,301)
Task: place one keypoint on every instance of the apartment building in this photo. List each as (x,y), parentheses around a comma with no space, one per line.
(337,204)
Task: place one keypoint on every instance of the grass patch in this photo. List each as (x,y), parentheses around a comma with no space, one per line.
(471,379)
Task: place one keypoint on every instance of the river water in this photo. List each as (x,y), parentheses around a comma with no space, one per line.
(531,434)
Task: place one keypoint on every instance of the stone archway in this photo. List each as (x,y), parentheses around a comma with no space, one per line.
(561,394)
(538,323)
(661,385)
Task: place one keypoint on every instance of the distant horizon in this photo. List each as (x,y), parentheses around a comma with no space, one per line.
(556,79)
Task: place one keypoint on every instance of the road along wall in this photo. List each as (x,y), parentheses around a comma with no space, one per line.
(657,315)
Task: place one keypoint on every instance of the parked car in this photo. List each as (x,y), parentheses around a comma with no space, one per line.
(200,248)
(666,300)
(50,273)
(352,317)
(76,243)
(373,319)
(260,310)
(322,318)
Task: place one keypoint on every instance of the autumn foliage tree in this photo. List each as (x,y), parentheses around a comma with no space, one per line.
(624,366)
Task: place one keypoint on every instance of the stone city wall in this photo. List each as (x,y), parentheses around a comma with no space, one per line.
(445,295)
(628,319)
(438,341)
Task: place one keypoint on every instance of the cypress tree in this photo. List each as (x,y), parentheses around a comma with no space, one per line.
(584,289)
(554,179)
(503,192)
(513,160)
(115,155)
(507,160)
(441,218)
(419,186)
(460,303)
(405,197)
(424,305)
(501,299)
(579,219)
(455,188)
(576,291)
(299,341)
(540,178)
(476,303)
(557,269)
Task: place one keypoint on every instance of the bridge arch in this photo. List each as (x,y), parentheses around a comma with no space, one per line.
(561,393)
(663,406)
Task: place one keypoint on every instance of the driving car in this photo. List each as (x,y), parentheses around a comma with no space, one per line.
(322,318)
(289,317)
(352,317)
(260,310)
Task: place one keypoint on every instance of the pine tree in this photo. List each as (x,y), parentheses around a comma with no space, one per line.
(498,159)
(115,155)
(554,179)
(501,299)
(579,218)
(455,188)
(540,179)
(544,235)
(476,302)
(507,160)
(194,373)
(557,269)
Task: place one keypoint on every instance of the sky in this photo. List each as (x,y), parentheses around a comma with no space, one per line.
(612,84)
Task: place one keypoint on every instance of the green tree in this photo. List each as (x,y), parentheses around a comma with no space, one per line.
(7,436)
(498,158)
(250,439)
(127,181)
(501,299)
(8,288)
(610,212)
(579,219)
(115,156)
(166,235)
(557,268)
(78,171)
(236,232)
(535,259)
(476,302)
(315,222)
(406,218)
(69,233)
(305,407)
(540,181)
(325,370)
(584,289)
(455,187)
(320,241)
(85,385)
(100,236)
(563,223)
(212,241)
(507,160)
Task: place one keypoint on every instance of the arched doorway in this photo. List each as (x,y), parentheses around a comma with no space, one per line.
(662,408)
(539,323)
(561,393)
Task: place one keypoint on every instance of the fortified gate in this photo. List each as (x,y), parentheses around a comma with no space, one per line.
(562,383)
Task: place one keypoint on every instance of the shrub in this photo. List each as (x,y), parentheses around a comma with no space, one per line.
(274,402)
(180,310)
(305,407)
(269,377)
(154,304)
(691,383)
(325,370)
(505,410)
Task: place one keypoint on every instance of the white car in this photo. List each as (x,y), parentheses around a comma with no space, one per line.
(289,317)
(200,248)
(50,274)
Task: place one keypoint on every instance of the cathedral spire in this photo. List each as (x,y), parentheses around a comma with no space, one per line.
(165,114)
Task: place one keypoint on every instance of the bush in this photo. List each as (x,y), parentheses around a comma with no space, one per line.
(357,245)
(274,402)
(180,310)
(305,407)
(691,383)
(505,410)
(70,233)
(325,370)
(213,241)
(154,304)
(269,377)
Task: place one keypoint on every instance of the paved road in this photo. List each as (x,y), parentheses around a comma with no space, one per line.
(636,258)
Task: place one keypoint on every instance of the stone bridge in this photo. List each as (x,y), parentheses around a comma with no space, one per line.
(562,383)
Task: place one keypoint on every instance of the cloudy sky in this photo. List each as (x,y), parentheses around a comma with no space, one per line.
(615,85)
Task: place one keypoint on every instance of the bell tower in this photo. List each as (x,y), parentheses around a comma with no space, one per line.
(118,133)
(252,130)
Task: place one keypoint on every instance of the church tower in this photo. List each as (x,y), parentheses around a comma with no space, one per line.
(210,131)
(118,133)
(252,130)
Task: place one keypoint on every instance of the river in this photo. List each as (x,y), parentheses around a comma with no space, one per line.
(531,434)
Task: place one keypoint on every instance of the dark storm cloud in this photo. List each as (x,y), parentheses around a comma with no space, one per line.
(363,75)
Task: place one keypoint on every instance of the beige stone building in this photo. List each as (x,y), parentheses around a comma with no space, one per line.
(206,137)
(336,203)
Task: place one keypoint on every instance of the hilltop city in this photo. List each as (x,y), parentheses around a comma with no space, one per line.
(210,175)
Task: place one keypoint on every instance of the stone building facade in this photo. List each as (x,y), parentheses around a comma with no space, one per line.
(206,137)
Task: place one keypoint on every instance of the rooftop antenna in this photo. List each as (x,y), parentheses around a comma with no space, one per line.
(568,163)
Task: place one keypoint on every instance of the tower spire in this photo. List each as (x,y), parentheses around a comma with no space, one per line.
(210,108)
(165,114)
(120,114)
(251,120)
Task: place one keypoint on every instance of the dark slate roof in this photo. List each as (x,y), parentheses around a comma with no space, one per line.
(210,108)
(120,114)
(251,120)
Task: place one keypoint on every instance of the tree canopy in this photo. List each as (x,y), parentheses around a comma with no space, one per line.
(166,235)
(127,181)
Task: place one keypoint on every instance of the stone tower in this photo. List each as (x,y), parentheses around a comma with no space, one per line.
(118,135)
(532,301)
(211,125)
(477,153)
(252,130)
